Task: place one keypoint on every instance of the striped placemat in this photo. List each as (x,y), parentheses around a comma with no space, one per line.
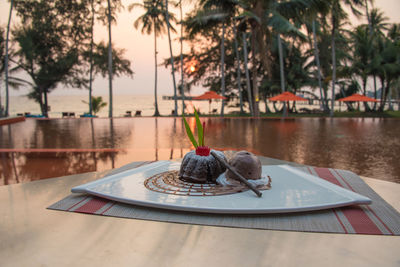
(379,218)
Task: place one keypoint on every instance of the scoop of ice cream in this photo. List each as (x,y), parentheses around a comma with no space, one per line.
(247,164)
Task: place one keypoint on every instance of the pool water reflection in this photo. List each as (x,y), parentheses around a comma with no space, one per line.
(38,149)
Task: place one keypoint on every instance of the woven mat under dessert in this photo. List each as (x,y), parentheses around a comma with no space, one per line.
(379,218)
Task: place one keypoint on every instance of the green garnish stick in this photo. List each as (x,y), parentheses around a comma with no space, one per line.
(204,128)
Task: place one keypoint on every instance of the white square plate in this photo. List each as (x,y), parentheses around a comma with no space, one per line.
(292,191)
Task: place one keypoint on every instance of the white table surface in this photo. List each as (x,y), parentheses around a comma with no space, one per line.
(31,235)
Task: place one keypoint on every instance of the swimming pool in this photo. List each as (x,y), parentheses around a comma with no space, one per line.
(38,149)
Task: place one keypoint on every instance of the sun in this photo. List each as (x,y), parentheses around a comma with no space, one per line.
(192,68)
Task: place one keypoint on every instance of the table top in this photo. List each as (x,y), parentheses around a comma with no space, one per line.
(32,235)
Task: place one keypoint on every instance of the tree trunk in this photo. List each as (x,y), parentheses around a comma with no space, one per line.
(156,138)
(267,109)
(371,35)
(42,108)
(249,95)
(261,35)
(112,142)
(238,70)
(333,66)
(6,59)
(156,112)
(45,104)
(366,105)
(368,18)
(172,56)
(384,94)
(275,108)
(91,59)
(255,85)
(375,94)
(348,104)
(110,104)
(285,108)
(389,96)
(182,74)
(1,107)
(382,105)
(40,99)
(93,144)
(316,55)
(223,68)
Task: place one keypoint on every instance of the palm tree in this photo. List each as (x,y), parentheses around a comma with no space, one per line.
(292,32)
(317,62)
(388,61)
(337,15)
(297,68)
(99,58)
(296,65)
(96,104)
(362,50)
(107,16)
(362,59)
(214,13)
(238,69)
(6,58)
(172,58)
(282,72)
(316,19)
(228,7)
(110,110)
(284,27)
(369,16)
(324,44)
(181,60)
(249,95)
(50,45)
(153,21)
(264,17)
(253,12)
(91,55)
(13,81)
(377,24)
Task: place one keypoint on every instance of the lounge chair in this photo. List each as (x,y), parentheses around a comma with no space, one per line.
(34,115)
(317,111)
(87,115)
(305,110)
(138,113)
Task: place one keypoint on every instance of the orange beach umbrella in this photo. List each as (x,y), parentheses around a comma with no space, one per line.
(209,95)
(287,96)
(357,98)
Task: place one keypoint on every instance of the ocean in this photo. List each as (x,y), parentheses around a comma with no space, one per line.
(145,103)
(121,104)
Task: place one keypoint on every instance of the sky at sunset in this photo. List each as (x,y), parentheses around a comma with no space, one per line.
(140,51)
